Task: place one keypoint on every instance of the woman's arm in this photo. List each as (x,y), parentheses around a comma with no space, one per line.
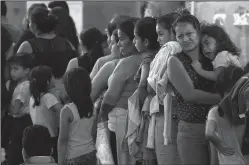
(100,81)
(115,89)
(95,69)
(73,63)
(210,75)
(66,117)
(25,48)
(142,86)
(183,84)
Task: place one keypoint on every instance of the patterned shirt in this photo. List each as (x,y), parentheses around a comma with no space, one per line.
(191,112)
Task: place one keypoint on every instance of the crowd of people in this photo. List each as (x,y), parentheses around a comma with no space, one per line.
(167,90)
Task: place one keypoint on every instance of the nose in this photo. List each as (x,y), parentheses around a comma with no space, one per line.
(158,39)
(185,38)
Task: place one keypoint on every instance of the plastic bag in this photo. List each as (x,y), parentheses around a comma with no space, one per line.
(104,153)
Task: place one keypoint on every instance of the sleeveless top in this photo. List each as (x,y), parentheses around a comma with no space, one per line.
(55,53)
(191,112)
(80,141)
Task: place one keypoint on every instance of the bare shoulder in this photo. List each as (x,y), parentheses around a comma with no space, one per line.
(25,47)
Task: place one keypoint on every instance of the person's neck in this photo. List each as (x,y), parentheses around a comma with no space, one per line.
(148,53)
(194,54)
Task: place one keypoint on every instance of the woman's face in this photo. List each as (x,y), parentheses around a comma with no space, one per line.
(187,36)
(108,37)
(139,43)
(126,46)
(164,35)
(208,46)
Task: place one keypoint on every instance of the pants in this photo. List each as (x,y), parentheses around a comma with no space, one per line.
(192,144)
(166,154)
(55,152)
(7,124)
(117,124)
(15,146)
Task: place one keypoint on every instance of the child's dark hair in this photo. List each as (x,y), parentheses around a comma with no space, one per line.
(37,141)
(39,78)
(78,86)
(145,28)
(92,39)
(25,60)
(226,80)
(167,20)
(224,42)
(62,4)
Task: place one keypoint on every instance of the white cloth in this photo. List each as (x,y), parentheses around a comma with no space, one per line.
(158,80)
(42,114)
(224,59)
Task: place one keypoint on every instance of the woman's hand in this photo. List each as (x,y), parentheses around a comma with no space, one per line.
(225,149)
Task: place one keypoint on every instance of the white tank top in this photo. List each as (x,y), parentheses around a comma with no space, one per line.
(80,140)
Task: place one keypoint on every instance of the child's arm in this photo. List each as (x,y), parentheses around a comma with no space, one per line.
(211,135)
(210,75)
(142,86)
(66,117)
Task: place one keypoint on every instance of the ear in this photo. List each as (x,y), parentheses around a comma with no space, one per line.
(52,151)
(146,42)
(27,70)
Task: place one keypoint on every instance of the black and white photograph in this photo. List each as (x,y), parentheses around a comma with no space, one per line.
(125,82)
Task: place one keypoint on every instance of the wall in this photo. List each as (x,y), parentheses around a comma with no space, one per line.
(16,11)
(99,14)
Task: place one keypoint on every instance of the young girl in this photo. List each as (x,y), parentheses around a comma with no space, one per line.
(220,130)
(75,144)
(219,48)
(44,106)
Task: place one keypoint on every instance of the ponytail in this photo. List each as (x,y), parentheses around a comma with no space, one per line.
(40,77)
(35,92)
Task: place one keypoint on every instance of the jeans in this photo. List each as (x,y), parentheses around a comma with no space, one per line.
(192,144)
(166,154)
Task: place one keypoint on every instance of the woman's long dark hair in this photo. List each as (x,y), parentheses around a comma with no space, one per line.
(92,39)
(39,78)
(78,86)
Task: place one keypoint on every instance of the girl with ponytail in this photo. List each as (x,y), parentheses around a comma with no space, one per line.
(76,144)
(44,106)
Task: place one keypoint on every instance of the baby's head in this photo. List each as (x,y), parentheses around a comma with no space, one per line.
(20,65)
(214,40)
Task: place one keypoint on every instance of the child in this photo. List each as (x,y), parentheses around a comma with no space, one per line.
(220,130)
(219,48)
(43,105)
(75,144)
(20,66)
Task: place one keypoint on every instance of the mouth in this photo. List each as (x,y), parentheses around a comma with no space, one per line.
(208,55)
